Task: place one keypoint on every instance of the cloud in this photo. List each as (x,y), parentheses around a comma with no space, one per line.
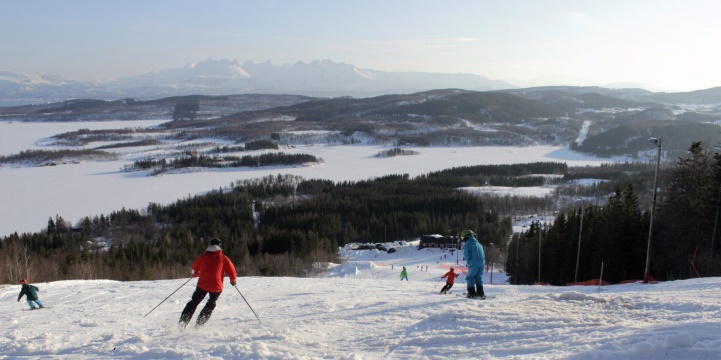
(418,45)
(583,19)
(579,17)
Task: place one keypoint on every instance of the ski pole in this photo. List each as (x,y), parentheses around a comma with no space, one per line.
(434,288)
(246,301)
(176,290)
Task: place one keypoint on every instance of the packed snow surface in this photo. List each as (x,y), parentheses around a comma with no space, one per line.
(361,310)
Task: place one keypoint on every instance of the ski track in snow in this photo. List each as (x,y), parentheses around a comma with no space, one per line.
(361,310)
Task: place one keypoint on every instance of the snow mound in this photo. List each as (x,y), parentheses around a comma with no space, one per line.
(577,296)
(354,269)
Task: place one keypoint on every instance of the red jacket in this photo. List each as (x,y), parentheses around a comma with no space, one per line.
(451,275)
(210,268)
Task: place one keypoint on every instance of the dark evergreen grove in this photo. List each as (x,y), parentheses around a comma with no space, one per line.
(282,225)
(296,223)
(614,233)
(195,160)
(684,240)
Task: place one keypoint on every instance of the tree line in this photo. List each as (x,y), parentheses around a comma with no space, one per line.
(615,234)
(274,226)
(282,225)
(207,161)
(56,156)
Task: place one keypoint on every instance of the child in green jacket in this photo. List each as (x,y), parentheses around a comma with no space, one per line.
(32,295)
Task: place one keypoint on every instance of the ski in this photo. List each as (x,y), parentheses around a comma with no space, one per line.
(44,307)
(465,295)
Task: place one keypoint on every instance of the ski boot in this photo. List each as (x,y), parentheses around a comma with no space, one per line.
(471,292)
(480,294)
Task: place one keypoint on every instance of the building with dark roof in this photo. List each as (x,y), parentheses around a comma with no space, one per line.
(439,241)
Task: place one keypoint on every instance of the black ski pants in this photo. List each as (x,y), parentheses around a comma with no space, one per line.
(204,315)
(446,288)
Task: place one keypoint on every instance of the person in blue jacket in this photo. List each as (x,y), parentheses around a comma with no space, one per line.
(476,258)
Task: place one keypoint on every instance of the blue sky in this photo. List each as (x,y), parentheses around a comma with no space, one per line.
(670,45)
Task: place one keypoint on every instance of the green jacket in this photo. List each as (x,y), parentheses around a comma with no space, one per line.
(404,273)
(30,291)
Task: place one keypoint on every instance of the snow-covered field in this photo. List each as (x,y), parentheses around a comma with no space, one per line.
(31,195)
(359,310)
(362,311)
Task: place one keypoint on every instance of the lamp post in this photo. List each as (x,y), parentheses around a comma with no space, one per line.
(578,254)
(458,245)
(518,245)
(646,275)
(539,252)
(492,254)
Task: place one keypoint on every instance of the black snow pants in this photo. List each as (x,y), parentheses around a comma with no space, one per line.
(446,288)
(204,315)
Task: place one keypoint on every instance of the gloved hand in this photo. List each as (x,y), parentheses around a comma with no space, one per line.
(232,283)
(18,300)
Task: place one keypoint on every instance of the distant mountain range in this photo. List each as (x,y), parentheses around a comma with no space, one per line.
(222,77)
(320,78)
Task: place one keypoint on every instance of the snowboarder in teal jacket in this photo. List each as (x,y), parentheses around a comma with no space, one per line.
(404,274)
(32,294)
(476,258)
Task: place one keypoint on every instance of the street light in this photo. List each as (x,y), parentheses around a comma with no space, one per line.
(539,252)
(646,275)
(492,254)
(578,254)
(456,248)
(518,245)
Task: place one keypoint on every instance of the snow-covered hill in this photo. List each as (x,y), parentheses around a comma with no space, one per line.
(367,313)
(214,77)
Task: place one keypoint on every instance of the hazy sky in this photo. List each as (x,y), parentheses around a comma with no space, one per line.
(672,45)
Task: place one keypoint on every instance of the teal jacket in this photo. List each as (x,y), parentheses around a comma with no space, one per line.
(473,252)
(30,291)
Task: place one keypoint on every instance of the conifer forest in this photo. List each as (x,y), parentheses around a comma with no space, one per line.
(285,225)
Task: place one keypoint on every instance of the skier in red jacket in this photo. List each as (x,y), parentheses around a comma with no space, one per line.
(451,275)
(209,268)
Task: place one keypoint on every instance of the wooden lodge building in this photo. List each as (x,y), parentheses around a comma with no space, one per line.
(439,241)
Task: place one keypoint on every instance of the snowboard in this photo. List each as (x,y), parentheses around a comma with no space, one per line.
(465,295)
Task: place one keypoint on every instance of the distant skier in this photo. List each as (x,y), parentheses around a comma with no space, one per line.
(451,277)
(32,295)
(473,253)
(404,274)
(210,267)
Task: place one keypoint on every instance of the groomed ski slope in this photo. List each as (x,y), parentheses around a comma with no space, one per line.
(361,310)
